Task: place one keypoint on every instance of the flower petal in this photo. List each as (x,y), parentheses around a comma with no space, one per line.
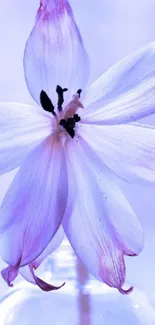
(34,205)
(97,224)
(26,274)
(42,284)
(51,247)
(54,53)
(22,127)
(11,272)
(128,150)
(125,93)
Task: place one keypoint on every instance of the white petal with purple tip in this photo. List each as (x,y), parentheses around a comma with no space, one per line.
(90,222)
(51,247)
(34,205)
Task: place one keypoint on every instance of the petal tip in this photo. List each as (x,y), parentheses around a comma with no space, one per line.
(126,292)
(42,284)
(9,274)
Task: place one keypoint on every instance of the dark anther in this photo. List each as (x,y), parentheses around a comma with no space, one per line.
(79,92)
(63,123)
(67,127)
(60,91)
(77,118)
(46,103)
(71,122)
(70,131)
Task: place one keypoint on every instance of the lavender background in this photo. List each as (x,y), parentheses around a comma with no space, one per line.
(111,29)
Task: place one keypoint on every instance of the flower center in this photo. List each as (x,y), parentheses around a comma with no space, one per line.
(65,118)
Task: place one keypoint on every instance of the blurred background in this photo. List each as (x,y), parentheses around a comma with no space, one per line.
(110,29)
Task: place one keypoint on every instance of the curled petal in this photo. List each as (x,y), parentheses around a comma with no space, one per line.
(126,292)
(51,247)
(34,205)
(96,223)
(54,53)
(42,284)
(125,93)
(128,150)
(10,273)
(22,127)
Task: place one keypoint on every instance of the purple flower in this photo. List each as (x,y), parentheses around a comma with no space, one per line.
(71,150)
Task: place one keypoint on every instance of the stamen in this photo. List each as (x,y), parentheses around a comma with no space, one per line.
(60,91)
(77,118)
(68,128)
(63,123)
(71,122)
(79,92)
(46,103)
